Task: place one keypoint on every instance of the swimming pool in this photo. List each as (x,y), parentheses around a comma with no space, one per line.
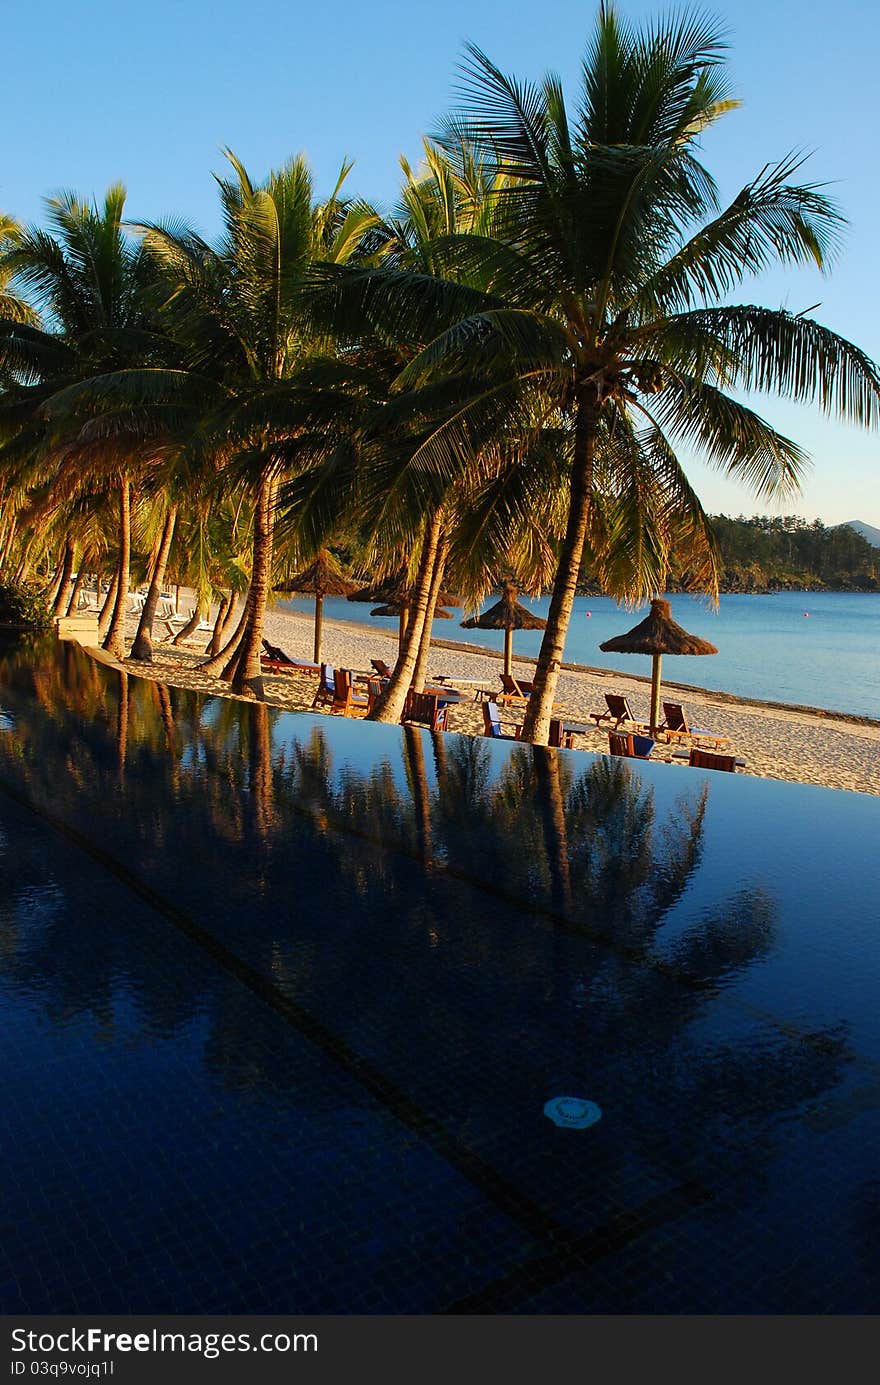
(283,997)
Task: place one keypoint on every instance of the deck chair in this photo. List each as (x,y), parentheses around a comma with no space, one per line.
(708,759)
(559,737)
(375,689)
(423,709)
(493,725)
(274,660)
(326,687)
(381,668)
(618,710)
(630,746)
(345,699)
(676,727)
(514,689)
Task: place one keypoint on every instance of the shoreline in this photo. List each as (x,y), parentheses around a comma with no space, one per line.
(595,670)
(777,740)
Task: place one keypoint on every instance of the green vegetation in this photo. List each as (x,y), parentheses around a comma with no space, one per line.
(496,378)
(789,554)
(24,606)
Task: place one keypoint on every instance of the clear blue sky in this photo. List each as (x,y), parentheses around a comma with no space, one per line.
(99,91)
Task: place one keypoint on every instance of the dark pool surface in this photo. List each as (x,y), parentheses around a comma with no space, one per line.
(282,998)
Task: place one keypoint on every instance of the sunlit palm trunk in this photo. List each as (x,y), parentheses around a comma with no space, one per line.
(109,604)
(115,641)
(195,620)
(390,707)
(62,595)
(222,620)
(421,668)
(78,585)
(217,663)
(536,723)
(143,640)
(247,672)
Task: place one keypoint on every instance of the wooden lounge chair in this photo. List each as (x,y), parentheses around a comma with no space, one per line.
(493,725)
(676,728)
(559,737)
(381,668)
(709,759)
(274,660)
(345,700)
(630,746)
(514,689)
(618,710)
(423,709)
(326,687)
(375,689)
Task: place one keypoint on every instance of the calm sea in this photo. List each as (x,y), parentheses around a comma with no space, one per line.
(821,649)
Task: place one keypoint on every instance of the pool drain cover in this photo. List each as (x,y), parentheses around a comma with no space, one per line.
(572,1112)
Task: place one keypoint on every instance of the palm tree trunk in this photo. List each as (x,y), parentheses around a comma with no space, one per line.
(192,624)
(115,641)
(78,585)
(247,673)
(390,705)
(220,623)
(143,640)
(221,662)
(421,667)
(109,603)
(8,540)
(536,723)
(319,625)
(62,594)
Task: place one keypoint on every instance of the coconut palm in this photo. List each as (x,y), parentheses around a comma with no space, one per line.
(88,280)
(609,271)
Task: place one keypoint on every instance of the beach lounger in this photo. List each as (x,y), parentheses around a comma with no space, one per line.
(710,759)
(424,709)
(676,727)
(514,689)
(630,746)
(345,699)
(274,660)
(618,710)
(326,687)
(493,725)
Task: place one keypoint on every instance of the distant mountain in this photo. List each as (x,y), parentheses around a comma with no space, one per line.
(867,531)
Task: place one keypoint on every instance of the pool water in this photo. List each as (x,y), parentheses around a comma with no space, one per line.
(283,998)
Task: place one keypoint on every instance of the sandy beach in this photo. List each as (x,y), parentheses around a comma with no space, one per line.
(805,746)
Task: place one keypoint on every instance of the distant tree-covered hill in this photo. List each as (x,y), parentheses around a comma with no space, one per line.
(787,553)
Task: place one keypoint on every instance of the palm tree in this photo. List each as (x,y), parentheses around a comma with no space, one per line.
(89,281)
(236,310)
(609,270)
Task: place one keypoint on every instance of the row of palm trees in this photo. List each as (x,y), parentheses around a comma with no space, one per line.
(493,380)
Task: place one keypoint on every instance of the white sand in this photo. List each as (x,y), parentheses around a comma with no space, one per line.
(807,747)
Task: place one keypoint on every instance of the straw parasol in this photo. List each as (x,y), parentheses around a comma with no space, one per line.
(507,615)
(323,577)
(395,597)
(657,634)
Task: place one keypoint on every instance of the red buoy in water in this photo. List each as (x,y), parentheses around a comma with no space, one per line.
(588,614)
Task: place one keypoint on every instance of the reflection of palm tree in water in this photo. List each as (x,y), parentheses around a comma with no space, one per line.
(583,849)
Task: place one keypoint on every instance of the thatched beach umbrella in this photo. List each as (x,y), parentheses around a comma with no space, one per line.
(323,577)
(507,615)
(395,597)
(657,634)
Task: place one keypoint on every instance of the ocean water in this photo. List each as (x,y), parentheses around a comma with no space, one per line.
(819,649)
